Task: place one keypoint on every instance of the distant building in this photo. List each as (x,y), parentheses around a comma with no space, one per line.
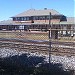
(39,20)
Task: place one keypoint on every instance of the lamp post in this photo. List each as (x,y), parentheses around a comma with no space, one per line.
(49,39)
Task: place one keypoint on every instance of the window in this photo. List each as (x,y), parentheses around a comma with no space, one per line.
(18,18)
(30,18)
(35,18)
(40,17)
(47,17)
(43,17)
(14,19)
(24,18)
(21,27)
(27,18)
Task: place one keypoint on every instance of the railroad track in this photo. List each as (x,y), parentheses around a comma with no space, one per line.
(58,48)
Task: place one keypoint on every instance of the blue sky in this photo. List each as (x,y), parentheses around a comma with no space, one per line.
(10,8)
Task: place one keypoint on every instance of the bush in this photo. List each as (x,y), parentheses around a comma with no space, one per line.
(23,65)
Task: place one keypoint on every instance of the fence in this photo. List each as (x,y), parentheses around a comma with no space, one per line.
(33,35)
(59,46)
(24,35)
(37,41)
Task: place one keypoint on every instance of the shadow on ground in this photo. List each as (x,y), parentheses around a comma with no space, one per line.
(28,65)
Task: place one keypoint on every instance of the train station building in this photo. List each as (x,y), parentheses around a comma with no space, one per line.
(41,20)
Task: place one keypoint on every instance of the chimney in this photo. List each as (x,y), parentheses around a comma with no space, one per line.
(45,8)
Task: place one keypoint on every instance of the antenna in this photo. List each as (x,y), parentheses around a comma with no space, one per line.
(31,7)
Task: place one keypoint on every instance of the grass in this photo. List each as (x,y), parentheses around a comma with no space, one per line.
(31,35)
(24,35)
(7,35)
(67,39)
(37,36)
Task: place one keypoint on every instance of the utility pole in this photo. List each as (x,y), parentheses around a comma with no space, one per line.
(49,39)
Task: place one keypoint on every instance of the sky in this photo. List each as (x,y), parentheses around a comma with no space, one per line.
(9,8)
